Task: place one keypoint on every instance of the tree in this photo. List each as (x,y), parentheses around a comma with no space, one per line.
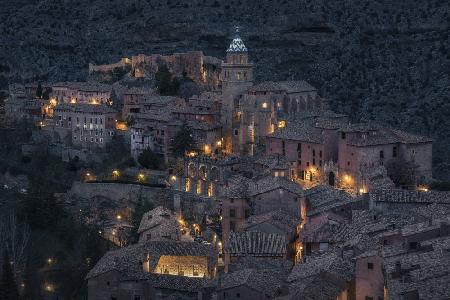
(14,237)
(46,93)
(148,159)
(403,173)
(183,142)
(8,287)
(166,85)
(39,90)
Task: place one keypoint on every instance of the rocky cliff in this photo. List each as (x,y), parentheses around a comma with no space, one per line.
(386,60)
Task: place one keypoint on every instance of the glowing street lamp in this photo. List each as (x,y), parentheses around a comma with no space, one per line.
(49,287)
(116,174)
(141,177)
(49,260)
(119,217)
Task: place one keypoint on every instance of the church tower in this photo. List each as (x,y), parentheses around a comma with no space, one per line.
(236,78)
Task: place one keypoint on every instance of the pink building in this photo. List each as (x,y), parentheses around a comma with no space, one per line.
(363,145)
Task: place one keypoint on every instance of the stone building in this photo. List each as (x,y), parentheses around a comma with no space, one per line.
(159,224)
(133,101)
(326,148)
(162,117)
(244,198)
(254,244)
(251,112)
(85,126)
(81,92)
(152,270)
(251,284)
(364,145)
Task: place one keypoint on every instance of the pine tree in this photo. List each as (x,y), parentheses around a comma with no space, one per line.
(8,287)
(183,142)
(39,90)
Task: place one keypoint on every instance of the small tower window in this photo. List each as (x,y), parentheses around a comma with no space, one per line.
(238,76)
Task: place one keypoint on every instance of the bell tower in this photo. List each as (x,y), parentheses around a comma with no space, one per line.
(236,78)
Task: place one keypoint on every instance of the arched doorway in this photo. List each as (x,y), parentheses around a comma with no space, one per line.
(331,178)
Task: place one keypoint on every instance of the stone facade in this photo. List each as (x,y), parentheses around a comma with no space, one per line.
(81,92)
(84,125)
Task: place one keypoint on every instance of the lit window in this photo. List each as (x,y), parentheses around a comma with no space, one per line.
(264,105)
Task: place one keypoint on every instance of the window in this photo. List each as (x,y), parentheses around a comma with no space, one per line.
(320,153)
(381,154)
(236,132)
(283,147)
(370,266)
(137,297)
(238,295)
(314,152)
(232,226)
(394,151)
(232,213)
(343,135)
(314,161)
(368,298)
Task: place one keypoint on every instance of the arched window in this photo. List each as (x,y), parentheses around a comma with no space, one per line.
(202,172)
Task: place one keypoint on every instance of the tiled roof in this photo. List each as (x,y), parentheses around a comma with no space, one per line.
(84,86)
(256,244)
(425,272)
(278,218)
(327,227)
(179,283)
(157,99)
(128,260)
(262,281)
(138,91)
(324,196)
(274,161)
(125,260)
(279,266)
(407,196)
(330,262)
(85,108)
(269,183)
(237,45)
(160,216)
(375,135)
(298,131)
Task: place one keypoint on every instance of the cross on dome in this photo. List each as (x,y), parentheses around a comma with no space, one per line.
(237,45)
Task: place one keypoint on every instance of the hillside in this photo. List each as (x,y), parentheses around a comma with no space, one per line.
(383,60)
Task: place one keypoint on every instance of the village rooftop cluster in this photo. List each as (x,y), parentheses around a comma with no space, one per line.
(279,197)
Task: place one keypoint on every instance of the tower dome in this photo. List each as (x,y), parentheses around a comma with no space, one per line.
(237,45)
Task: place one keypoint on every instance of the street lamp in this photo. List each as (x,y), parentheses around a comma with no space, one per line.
(116,174)
(141,177)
